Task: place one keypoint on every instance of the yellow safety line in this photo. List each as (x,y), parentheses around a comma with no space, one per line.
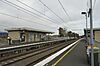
(64,56)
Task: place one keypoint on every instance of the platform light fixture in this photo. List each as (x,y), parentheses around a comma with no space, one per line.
(85,13)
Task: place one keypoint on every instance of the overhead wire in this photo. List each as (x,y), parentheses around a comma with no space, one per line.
(94,3)
(87,4)
(51,10)
(66,13)
(33,8)
(23,19)
(16,7)
(64,10)
(24,10)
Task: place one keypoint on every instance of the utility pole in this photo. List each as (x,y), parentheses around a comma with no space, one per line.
(91,34)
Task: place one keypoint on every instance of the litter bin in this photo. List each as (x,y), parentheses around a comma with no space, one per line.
(95,53)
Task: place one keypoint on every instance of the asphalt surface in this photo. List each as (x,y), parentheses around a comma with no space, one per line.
(77,57)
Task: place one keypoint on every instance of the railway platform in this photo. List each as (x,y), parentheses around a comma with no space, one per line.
(75,56)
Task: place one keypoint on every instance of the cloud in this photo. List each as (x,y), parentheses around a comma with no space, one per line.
(73,7)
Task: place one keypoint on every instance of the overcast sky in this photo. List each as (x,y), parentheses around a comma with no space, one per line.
(75,21)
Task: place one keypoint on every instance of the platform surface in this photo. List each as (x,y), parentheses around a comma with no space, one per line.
(76,57)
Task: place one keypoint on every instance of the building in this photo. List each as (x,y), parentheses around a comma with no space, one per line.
(26,34)
(96,33)
(3,34)
(3,38)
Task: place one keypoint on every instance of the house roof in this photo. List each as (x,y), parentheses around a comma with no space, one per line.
(28,29)
(95,29)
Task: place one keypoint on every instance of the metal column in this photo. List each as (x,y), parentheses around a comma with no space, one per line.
(91,34)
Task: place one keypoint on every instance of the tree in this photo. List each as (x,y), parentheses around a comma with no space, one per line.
(69,34)
(62,32)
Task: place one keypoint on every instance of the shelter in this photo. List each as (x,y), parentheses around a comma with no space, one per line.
(26,34)
(96,33)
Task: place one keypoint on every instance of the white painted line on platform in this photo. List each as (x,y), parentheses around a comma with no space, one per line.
(50,58)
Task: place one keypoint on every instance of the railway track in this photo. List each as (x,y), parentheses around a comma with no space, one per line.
(31,57)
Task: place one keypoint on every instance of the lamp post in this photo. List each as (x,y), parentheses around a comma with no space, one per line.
(85,13)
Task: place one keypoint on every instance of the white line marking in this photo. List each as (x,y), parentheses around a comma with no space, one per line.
(50,58)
